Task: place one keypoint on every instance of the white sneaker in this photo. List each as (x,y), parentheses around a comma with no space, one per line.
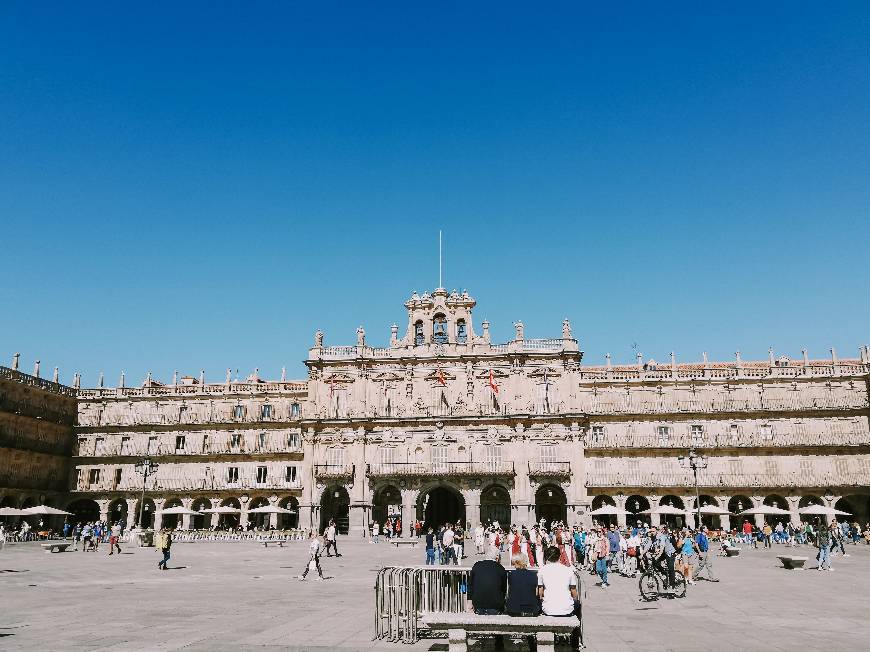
(831,570)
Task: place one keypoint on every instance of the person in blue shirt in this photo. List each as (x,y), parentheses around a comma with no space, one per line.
(704,562)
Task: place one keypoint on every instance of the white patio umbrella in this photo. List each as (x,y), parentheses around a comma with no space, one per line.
(822,510)
(271,509)
(766,510)
(713,509)
(607,510)
(223,509)
(44,510)
(665,509)
(11,511)
(180,510)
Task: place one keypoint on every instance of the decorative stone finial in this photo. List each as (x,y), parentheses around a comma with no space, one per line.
(520,331)
(394,335)
(36,369)
(121,381)
(77,380)
(318,339)
(673,360)
(174,378)
(833,355)
(55,375)
(283,374)
(360,336)
(148,380)
(806,357)
(101,382)
(608,361)
(15,360)
(566,330)
(704,357)
(770,356)
(485,326)
(737,356)
(228,377)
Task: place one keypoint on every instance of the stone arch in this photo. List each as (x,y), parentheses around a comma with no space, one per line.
(84,510)
(599,501)
(117,511)
(635,504)
(810,499)
(171,521)
(712,521)
(260,521)
(335,505)
(200,521)
(440,503)
(775,500)
(9,501)
(858,505)
(289,521)
(551,504)
(673,520)
(386,502)
(146,515)
(230,521)
(495,505)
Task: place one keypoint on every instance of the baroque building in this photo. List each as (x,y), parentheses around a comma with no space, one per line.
(445,425)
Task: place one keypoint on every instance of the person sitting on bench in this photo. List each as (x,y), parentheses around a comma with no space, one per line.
(557,587)
(522,599)
(487,585)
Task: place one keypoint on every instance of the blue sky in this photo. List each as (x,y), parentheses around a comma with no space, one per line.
(203,185)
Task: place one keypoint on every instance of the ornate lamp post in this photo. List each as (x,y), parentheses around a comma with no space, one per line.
(694,461)
(145,467)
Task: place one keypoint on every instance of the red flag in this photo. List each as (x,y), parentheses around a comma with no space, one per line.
(441,378)
(492,382)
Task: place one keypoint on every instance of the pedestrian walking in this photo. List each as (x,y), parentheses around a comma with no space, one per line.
(315,549)
(330,535)
(114,537)
(163,544)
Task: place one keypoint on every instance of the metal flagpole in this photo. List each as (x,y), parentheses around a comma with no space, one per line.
(439,258)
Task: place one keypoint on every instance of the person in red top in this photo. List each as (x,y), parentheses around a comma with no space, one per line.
(747,531)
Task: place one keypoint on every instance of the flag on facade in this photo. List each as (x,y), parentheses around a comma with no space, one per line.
(492,382)
(441,378)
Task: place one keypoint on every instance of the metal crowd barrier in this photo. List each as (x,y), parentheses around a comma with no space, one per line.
(402,593)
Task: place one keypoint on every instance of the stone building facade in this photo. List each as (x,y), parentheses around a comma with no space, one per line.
(36,437)
(445,425)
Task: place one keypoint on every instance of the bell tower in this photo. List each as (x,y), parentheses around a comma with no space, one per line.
(439,318)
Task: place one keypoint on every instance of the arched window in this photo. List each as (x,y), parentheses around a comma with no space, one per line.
(418,333)
(461,331)
(439,331)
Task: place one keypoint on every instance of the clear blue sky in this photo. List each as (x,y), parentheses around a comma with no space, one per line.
(202,185)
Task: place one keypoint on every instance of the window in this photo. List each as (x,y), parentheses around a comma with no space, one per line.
(261,440)
(548,454)
(806,468)
(125,445)
(770,467)
(293,440)
(295,411)
(266,412)
(152,444)
(335,456)
(179,443)
(118,475)
(182,413)
(290,474)
(79,478)
(461,331)
(493,456)
(418,333)
(388,455)
(734,431)
(205,443)
(697,433)
(238,412)
(439,455)
(262,474)
(98,445)
(841,466)
(439,329)
(766,431)
(664,433)
(597,433)
(233,474)
(235,440)
(93,476)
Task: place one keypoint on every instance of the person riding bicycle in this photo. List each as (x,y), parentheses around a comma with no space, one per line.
(665,553)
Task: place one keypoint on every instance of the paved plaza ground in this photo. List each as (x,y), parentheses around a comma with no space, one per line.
(241,596)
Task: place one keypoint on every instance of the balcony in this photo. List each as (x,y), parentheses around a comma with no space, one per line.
(334,471)
(726,480)
(193,449)
(832,437)
(134,484)
(719,404)
(213,389)
(429,469)
(550,470)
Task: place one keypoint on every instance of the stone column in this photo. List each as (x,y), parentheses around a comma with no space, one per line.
(243,516)
(758,501)
(724,519)
(185,518)
(793,514)
(620,504)
(215,518)
(132,514)
(104,509)
(653,505)
(409,510)
(158,513)
(472,507)
(831,502)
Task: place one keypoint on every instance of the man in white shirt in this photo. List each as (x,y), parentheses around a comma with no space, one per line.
(557,588)
(315,548)
(447,544)
(329,535)
(114,537)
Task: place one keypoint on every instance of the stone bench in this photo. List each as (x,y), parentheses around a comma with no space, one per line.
(55,547)
(405,542)
(460,625)
(274,542)
(792,563)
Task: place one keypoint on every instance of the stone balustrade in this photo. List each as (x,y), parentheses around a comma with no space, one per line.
(40,383)
(429,469)
(831,436)
(643,479)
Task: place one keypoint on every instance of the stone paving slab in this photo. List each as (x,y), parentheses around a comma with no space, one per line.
(241,596)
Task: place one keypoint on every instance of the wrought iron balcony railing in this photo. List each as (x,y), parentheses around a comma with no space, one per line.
(550,469)
(327,471)
(725,480)
(410,469)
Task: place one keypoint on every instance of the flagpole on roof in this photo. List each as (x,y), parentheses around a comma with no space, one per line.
(439,258)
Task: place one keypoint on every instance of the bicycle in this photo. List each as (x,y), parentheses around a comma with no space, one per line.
(654,579)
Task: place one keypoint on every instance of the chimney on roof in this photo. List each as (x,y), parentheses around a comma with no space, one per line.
(121,383)
(806,358)
(101,383)
(77,380)
(15,360)
(36,369)
(201,377)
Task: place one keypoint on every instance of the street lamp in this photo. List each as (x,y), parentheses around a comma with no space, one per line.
(145,467)
(694,461)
